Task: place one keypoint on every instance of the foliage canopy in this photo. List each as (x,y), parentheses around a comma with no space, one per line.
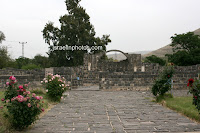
(186,48)
(75,29)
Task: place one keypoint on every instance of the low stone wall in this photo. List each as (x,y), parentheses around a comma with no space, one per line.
(145,80)
(23,76)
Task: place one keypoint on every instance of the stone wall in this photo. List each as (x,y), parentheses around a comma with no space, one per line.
(23,76)
(144,80)
(129,74)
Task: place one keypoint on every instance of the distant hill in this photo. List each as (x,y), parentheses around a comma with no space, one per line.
(119,56)
(166,49)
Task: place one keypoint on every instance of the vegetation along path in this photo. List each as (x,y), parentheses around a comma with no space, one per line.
(110,112)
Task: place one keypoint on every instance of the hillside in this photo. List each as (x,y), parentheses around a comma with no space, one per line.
(166,49)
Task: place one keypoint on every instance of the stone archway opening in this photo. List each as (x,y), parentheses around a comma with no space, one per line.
(115,56)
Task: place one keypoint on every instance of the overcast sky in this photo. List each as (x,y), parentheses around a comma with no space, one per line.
(133,25)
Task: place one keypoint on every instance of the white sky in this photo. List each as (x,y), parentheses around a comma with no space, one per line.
(133,25)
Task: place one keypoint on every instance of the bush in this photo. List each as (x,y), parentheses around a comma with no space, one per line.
(155,59)
(194,89)
(30,67)
(163,82)
(24,107)
(55,86)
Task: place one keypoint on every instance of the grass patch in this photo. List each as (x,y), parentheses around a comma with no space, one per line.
(181,105)
(184,106)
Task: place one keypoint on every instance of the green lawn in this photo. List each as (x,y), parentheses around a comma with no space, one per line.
(184,106)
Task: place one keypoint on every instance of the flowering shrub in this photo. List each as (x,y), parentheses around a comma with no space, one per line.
(163,82)
(11,88)
(24,107)
(194,89)
(55,86)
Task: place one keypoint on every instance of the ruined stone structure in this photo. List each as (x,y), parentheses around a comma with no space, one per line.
(129,74)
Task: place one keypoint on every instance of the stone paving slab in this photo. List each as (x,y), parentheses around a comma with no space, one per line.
(111,112)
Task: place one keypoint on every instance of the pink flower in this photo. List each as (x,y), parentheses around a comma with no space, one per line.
(20,98)
(33,95)
(7,101)
(1,107)
(29,105)
(41,81)
(42,110)
(46,81)
(7,83)
(2,99)
(41,97)
(37,97)
(13,99)
(61,97)
(46,90)
(28,97)
(26,85)
(28,92)
(38,105)
(24,93)
(20,87)
(12,78)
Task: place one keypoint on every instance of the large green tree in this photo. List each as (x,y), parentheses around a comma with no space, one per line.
(75,29)
(186,49)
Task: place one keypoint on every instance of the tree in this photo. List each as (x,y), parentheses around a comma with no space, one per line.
(186,49)
(5,59)
(41,61)
(2,37)
(155,59)
(23,61)
(75,29)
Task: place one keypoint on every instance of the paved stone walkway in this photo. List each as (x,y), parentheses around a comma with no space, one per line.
(111,112)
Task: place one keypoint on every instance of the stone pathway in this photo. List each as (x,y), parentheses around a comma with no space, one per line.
(111,112)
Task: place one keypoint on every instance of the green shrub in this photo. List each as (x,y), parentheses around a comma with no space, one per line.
(163,82)
(194,89)
(55,86)
(24,110)
(24,107)
(30,67)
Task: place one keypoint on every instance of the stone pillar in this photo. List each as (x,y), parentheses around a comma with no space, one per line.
(48,70)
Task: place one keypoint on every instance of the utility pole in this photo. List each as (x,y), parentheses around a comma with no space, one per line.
(23,48)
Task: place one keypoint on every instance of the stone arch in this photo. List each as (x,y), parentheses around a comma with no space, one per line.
(114,50)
